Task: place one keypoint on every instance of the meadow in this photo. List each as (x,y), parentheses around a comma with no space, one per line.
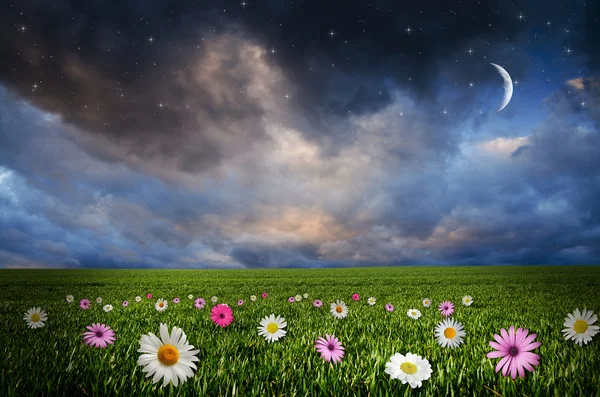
(235,360)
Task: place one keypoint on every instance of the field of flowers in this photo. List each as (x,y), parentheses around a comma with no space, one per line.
(47,353)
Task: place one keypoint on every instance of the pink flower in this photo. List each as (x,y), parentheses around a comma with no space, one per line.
(84,304)
(221,315)
(99,335)
(291,299)
(125,303)
(199,303)
(330,348)
(264,295)
(176,300)
(389,307)
(355,297)
(240,302)
(149,296)
(317,303)
(515,350)
(446,308)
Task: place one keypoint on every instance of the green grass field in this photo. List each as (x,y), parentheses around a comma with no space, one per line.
(53,360)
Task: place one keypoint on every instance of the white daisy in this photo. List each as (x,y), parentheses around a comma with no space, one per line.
(371,301)
(169,357)
(338,310)
(579,326)
(450,333)
(298,298)
(427,302)
(190,296)
(411,369)
(305,296)
(35,317)
(467,300)
(107,308)
(272,328)
(161,305)
(70,298)
(414,313)
(214,299)
(98,300)
(138,298)
(253,298)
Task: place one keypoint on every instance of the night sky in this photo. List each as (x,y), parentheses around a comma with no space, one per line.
(258,134)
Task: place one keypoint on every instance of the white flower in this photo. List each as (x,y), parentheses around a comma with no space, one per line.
(190,296)
(35,317)
(253,298)
(338,310)
(411,369)
(170,357)
(305,296)
(450,333)
(70,298)
(371,301)
(413,313)
(107,308)
(467,300)
(161,305)
(214,299)
(272,328)
(579,326)
(138,298)
(98,300)
(426,302)
(298,298)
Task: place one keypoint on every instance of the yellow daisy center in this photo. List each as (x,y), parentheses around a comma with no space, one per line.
(161,304)
(272,328)
(413,313)
(408,368)
(168,354)
(467,300)
(36,317)
(426,302)
(580,326)
(449,333)
(339,309)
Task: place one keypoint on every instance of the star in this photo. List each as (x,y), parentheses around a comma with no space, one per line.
(23,29)
(470,51)
(151,39)
(331,33)
(445,112)
(521,16)
(243,4)
(160,105)
(548,23)
(470,84)
(568,50)
(272,50)
(34,87)
(582,104)
(408,30)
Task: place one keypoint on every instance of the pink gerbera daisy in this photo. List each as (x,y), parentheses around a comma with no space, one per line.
(447,308)
(264,295)
(221,315)
(317,303)
(84,304)
(149,296)
(515,350)
(199,303)
(355,297)
(330,348)
(125,303)
(389,307)
(176,300)
(240,302)
(99,335)
(291,299)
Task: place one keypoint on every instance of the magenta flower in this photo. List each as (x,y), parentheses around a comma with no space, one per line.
(389,307)
(264,295)
(149,296)
(240,302)
(355,297)
(84,304)
(199,303)
(291,299)
(125,303)
(330,348)
(99,335)
(317,303)
(176,300)
(222,315)
(447,308)
(515,350)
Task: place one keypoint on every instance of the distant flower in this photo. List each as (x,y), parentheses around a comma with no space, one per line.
(467,300)
(450,333)
(138,299)
(579,326)
(291,299)
(426,302)
(355,297)
(107,308)
(190,296)
(98,300)
(264,295)
(413,313)
(305,296)
(70,298)
(446,308)
(214,299)
(317,303)
(221,315)
(371,301)
(99,335)
(240,302)
(149,296)
(253,298)
(389,307)
(84,304)
(161,305)
(170,357)
(338,310)
(176,300)
(330,348)
(298,298)
(411,369)
(35,317)
(199,303)
(515,350)
(125,303)
(272,328)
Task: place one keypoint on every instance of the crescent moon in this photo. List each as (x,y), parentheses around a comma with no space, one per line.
(508,86)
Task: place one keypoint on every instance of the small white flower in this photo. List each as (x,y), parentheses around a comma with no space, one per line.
(161,305)
(107,308)
(35,317)
(70,298)
(450,333)
(427,302)
(338,310)
(298,298)
(305,296)
(190,296)
(138,298)
(411,369)
(579,326)
(467,300)
(214,299)
(371,301)
(253,298)
(414,313)
(98,300)
(272,328)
